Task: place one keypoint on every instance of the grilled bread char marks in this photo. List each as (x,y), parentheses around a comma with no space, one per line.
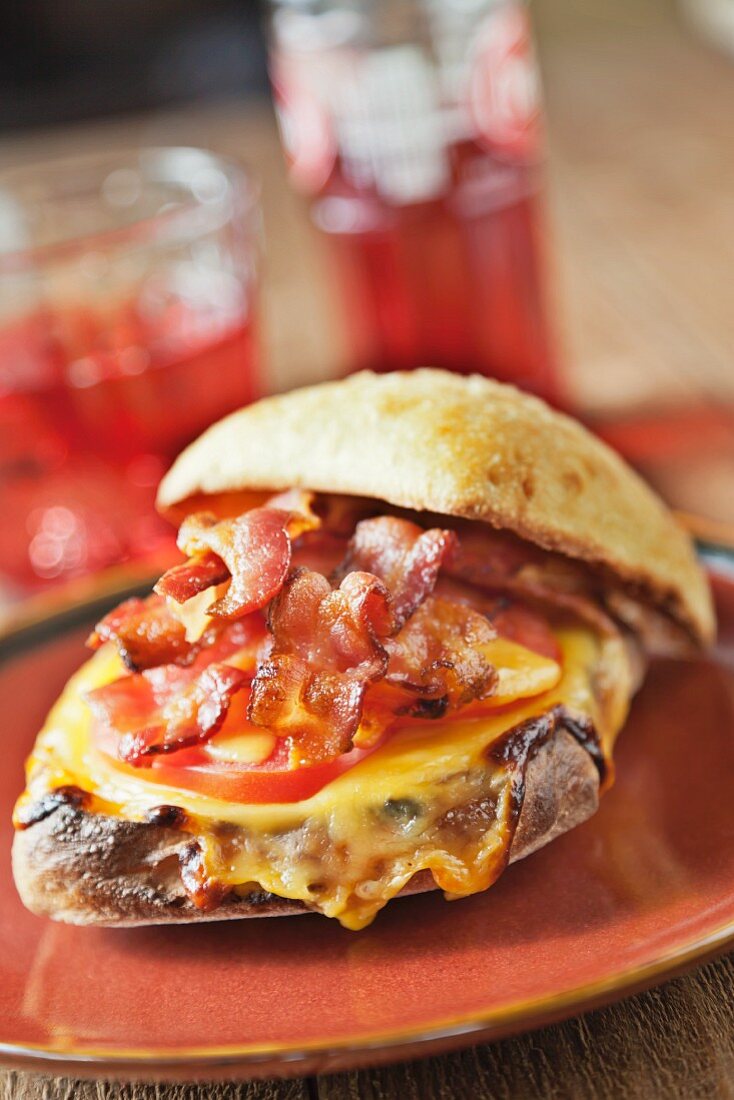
(439,799)
(456,446)
(89,868)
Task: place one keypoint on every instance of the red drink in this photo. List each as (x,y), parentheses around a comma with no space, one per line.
(101,387)
(129,392)
(92,440)
(453,283)
(420,151)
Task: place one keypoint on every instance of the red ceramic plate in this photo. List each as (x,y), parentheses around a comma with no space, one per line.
(635,894)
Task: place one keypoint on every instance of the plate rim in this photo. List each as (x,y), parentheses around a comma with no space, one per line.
(283,1058)
(273,1059)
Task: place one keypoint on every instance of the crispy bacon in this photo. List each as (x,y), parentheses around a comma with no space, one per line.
(498,562)
(253,549)
(146,633)
(192,576)
(489,558)
(435,665)
(327,647)
(165,709)
(406,559)
(401,628)
(438,655)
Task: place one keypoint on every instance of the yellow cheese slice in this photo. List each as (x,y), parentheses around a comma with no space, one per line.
(193,612)
(521,672)
(359,839)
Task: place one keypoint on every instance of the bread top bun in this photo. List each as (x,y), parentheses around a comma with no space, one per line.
(434,441)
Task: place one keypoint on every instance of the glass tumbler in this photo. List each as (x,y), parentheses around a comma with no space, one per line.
(127,298)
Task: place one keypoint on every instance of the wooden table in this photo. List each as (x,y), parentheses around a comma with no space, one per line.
(642,119)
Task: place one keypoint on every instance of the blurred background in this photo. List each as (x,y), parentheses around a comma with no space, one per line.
(63,61)
(582,251)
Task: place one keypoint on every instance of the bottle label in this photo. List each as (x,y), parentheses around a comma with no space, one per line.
(390,115)
(305,127)
(504,91)
(390,127)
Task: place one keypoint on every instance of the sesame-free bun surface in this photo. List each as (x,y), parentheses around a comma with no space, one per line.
(433,441)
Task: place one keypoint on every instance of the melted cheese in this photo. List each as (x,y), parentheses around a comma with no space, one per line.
(429,798)
(241,748)
(520,671)
(192,614)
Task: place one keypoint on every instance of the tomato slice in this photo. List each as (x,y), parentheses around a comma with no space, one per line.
(194,769)
(274,780)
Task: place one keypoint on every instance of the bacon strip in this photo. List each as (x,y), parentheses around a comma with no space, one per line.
(165,709)
(488,558)
(253,549)
(436,665)
(498,562)
(330,645)
(146,633)
(438,656)
(327,647)
(406,559)
(192,576)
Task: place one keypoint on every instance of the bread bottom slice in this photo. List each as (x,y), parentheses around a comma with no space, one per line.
(87,868)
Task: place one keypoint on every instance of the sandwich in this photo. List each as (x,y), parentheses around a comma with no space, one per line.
(409,618)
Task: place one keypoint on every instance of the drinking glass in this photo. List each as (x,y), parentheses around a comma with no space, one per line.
(127,298)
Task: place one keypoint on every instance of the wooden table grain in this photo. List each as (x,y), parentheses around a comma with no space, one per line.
(642,204)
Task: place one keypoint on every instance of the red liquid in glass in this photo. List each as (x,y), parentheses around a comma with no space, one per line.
(86,434)
(456,282)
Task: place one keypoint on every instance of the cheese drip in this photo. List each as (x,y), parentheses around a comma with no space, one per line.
(431,798)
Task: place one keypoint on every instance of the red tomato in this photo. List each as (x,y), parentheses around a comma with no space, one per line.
(529,628)
(273,780)
(194,770)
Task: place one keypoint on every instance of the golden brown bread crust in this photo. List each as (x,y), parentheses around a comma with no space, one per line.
(434,441)
(85,868)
